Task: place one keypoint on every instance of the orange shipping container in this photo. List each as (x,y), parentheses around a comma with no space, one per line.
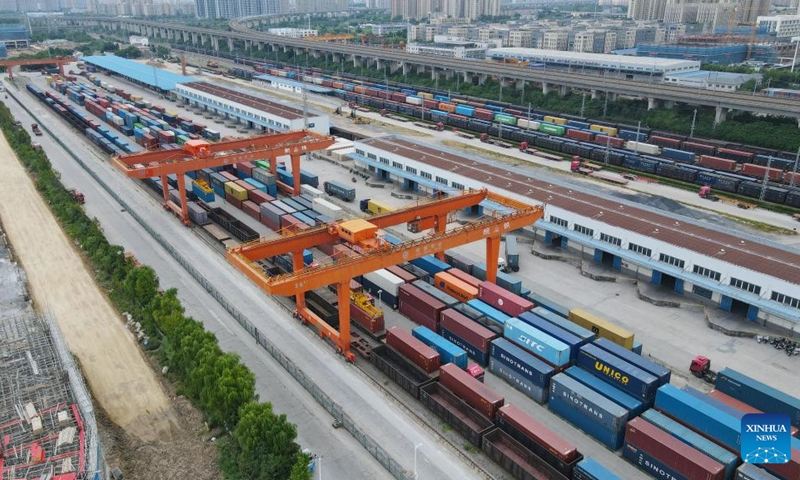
(447,107)
(465,277)
(455,287)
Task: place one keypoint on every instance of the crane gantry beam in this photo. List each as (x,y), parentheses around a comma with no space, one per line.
(340,273)
(59,61)
(199,154)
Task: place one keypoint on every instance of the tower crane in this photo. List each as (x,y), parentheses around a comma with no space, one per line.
(200,154)
(374,253)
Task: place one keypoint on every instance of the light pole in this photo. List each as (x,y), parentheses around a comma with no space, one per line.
(416,475)
(694,119)
(796,41)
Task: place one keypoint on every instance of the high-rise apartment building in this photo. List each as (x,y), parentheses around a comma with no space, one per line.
(647,9)
(469,9)
(411,9)
(234,8)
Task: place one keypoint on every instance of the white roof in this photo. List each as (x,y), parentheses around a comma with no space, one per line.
(601,60)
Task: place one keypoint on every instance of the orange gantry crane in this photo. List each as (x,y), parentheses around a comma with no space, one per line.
(59,61)
(200,154)
(363,236)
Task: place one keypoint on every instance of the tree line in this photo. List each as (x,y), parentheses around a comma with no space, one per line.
(260,443)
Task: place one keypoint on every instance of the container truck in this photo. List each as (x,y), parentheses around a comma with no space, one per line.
(337,189)
(512,254)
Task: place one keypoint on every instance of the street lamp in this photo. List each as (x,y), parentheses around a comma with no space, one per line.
(796,41)
(416,475)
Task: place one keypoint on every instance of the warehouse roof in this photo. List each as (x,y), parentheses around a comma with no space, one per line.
(706,76)
(241,98)
(292,83)
(596,60)
(139,72)
(758,257)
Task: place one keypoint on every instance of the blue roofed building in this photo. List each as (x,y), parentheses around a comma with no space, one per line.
(151,77)
(14,36)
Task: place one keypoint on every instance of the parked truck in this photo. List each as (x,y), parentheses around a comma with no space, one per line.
(344,192)
(512,254)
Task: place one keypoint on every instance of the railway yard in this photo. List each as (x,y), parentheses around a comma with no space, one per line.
(435,421)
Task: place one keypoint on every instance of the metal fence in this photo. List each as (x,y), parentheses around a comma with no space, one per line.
(335,410)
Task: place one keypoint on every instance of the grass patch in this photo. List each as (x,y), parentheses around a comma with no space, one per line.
(470,448)
(446,428)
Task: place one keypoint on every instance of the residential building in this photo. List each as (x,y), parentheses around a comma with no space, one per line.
(782,26)
(142,8)
(520,38)
(411,9)
(229,8)
(748,11)
(648,9)
(445,46)
(555,40)
(422,33)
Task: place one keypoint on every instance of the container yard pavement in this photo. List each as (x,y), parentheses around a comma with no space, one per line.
(120,379)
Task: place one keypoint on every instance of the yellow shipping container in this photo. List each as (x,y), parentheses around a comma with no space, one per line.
(136,98)
(235,191)
(603,328)
(375,207)
(556,120)
(425,95)
(610,131)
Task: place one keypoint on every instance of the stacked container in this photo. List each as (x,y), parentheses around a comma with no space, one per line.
(473,392)
(420,354)
(448,351)
(537,342)
(503,300)
(473,338)
(619,373)
(520,369)
(420,307)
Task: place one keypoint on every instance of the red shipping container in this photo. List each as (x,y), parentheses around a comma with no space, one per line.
(229,176)
(610,141)
(484,114)
(430,104)
(699,148)
(406,276)
(372,92)
(233,201)
(503,300)
(789,470)
(675,454)
(244,185)
(465,328)
(579,135)
(736,154)
(259,197)
(787,178)
(327,249)
(367,321)
(477,395)
(418,317)
(538,433)
(759,171)
(426,304)
(739,405)
(271,224)
(420,354)
(246,167)
(251,209)
(398,97)
(718,163)
(665,142)
(385,94)
(288,221)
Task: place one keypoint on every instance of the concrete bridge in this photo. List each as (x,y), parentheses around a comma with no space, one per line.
(245,32)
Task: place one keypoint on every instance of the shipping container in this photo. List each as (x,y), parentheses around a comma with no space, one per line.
(572,341)
(689,437)
(507,373)
(537,438)
(420,307)
(465,277)
(455,287)
(342,191)
(516,459)
(328,209)
(406,276)
(420,354)
(590,469)
(430,264)
(647,463)
(713,402)
(474,393)
(448,351)
(443,297)
(676,455)
(564,323)
(521,362)
(455,411)
(536,341)
(662,373)
(503,300)
(504,280)
(748,471)
(589,411)
(477,337)
(603,328)
(623,375)
(400,369)
(494,315)
(633,405)
(757,394)
(385,281)
(714,424)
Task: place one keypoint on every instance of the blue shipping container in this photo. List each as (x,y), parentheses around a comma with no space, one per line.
(647,463)
(588,410)
(522,363)
(304,218)
(633,405)
(449,352)
(707,420)
(694,440)
(662,373)
(536,393)
(259,186)
(618,372)
(572,341)
(430,264)
(481,358)
(489,311)
(590,469)
(713,402)
(758,395)
(567,325)
(679,155)
(536,341)
(503,279)
(748,471)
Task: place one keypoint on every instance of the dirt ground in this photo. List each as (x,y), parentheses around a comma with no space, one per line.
(120,379)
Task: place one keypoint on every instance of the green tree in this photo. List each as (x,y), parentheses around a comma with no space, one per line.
(162,52)
(300,468)
(129,52)
(223,385)
(261,447)
(139,289)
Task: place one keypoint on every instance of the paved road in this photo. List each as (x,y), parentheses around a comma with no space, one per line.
(377,415)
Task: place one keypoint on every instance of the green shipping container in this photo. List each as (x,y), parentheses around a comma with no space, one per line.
(182,139)
(552,129)
(506,119)
(263,164)
(138,125)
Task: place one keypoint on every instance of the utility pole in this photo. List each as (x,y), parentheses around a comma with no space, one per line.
(694,119)
(794,170)
(766,178)
(583,104)
(608,148)
(605,105)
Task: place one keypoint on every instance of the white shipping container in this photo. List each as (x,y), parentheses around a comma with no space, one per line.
(311,191)
(529,124)
(385,280)
(413,100)
(641,147)
(320,205)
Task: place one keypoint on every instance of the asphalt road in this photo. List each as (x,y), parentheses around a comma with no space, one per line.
(379,417)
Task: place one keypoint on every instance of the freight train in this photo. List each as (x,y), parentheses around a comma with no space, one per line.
(727,167)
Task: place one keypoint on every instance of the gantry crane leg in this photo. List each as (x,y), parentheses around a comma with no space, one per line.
(296,173)
(343,291)
(183,206)
(492,255)
(440,227)
(300,297)
(165,190)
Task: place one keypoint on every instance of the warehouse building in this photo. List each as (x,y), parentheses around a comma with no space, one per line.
(741,274)
(157,79)
(256,112)
(709,80)
(288,85)
(596,62)
(14,36)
